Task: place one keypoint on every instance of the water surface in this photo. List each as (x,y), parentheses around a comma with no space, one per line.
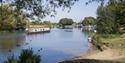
(58,45)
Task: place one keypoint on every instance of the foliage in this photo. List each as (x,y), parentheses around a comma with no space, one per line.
(110,18)
(11,60)
(39,8)
(5,17)
(66,21)
(36,23)
(103,2)
(89,21)
(27,56)
(96,39)
(9,19)
(105,20)
(48,23)
(113,41)
(33,9)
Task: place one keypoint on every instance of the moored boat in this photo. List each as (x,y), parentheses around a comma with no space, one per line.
(37,29)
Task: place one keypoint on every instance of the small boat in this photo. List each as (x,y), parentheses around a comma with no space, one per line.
(37,30)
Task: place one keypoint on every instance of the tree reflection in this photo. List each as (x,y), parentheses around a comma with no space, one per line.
(9,41)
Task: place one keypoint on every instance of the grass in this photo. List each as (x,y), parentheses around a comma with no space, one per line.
(117,41)
(114,41)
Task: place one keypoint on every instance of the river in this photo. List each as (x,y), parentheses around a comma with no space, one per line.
(57,45)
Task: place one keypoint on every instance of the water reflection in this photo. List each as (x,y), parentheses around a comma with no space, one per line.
(10,41)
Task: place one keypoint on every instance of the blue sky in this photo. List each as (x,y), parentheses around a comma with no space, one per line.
(77,13)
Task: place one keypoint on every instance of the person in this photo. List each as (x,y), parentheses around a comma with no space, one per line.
(90,39)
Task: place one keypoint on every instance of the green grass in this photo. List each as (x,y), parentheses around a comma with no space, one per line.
(114,41)
(117,41)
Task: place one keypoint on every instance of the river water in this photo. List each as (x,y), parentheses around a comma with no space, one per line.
(57,45)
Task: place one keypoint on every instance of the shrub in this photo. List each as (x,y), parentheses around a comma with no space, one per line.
(26,56)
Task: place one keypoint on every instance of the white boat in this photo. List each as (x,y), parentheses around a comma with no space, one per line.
(37,29)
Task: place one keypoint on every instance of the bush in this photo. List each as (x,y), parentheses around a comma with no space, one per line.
(27,56)
(97,42)
(11,60)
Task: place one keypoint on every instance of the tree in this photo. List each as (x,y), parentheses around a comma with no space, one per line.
(9,19)
(89,21)
(39,8)
(120,13)
(66,21)
(36,23)
(104,25)
(48,23)
(31,9)
(110,17)
(42,8)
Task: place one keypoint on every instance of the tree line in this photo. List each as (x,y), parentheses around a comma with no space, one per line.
(110,18)
(110,15)
(10,19)
(46,23)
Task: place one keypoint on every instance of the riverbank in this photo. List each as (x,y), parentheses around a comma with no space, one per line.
(106,56)
(114,49)
(113,53)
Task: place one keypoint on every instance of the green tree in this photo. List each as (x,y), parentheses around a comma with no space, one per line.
(39,8)
(110,17)
(9,19)
(48,23)
(89,21)
(66,21)
(120,13)
(31,9)
(36,22)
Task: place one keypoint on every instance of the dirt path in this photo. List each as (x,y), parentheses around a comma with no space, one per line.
(108,54)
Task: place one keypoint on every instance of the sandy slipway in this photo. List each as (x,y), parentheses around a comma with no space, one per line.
(109,54)
(106,56)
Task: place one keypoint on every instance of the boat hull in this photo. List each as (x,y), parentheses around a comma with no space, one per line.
(38,32)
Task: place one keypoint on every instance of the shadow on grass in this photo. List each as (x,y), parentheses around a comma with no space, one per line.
(90,61)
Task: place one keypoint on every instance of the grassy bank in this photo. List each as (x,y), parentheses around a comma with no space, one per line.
(115,41)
